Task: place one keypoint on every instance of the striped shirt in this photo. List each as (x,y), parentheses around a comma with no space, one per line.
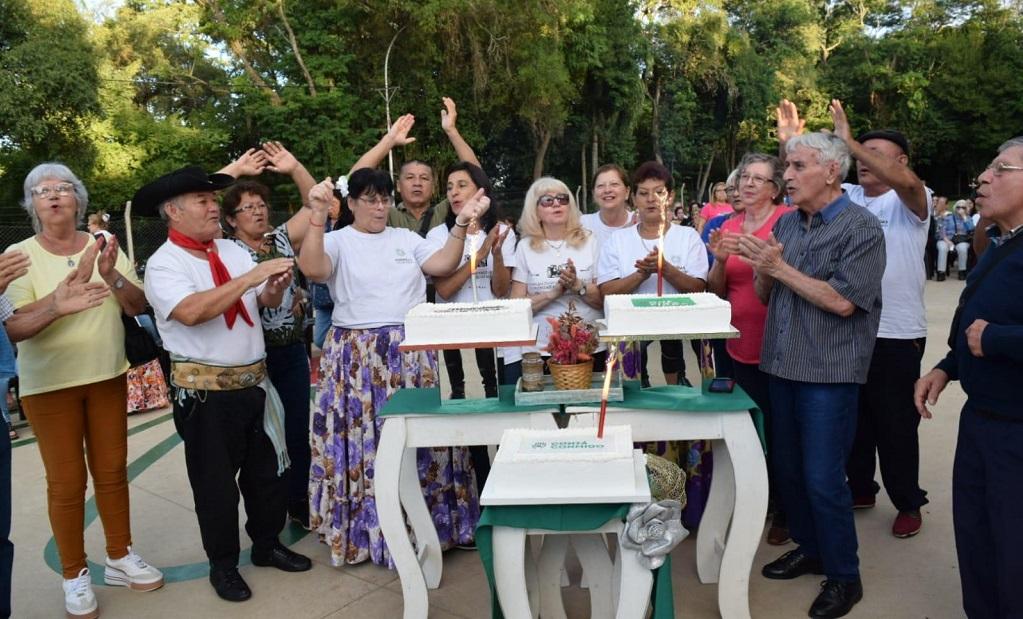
(844,247)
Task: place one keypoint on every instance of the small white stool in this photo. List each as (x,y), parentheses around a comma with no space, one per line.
(528,589)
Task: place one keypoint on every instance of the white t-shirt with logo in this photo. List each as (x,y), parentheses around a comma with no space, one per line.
(600,230)
(375,279)
(173,274)
(540,269)
(682,248)
(438,236)
(903,315)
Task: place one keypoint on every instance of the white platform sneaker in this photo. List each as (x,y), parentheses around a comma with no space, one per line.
(79,600)
(132,572)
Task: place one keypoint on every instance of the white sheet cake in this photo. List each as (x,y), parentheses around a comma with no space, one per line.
(499,320)
(648,314)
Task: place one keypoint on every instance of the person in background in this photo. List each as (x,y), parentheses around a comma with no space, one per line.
(246,208)
(377,274)
(679,215)
(732,191)
(718,205)
(937,239)
(957,234)
(13,265)
(99,223)
(69,304)
(337,217)
(986,356)
(611,195)
(555,265)
(761,188)
(820,273)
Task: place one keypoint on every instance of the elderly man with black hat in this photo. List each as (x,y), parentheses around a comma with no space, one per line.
(888,421)
(206,293)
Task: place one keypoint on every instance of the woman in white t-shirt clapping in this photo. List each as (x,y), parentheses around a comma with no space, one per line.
(611,195)
(495,254)
(628,261)
(555,264)
(375,274)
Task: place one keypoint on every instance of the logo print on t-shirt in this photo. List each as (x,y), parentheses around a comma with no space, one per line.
(401,256)
(554,270)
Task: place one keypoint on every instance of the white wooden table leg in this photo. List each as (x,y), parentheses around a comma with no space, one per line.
(713,531)
(750,483)
(552,560)
(427,541)
(592,553)
(533,545)
(509,572)
(635,585)
(392,522)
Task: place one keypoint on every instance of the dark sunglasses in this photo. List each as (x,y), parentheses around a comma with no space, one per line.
(549,201)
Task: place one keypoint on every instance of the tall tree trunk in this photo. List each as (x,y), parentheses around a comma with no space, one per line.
(584,204)
(704,178)
(236,47)
(595,152)
(655,121)
(543,142)
(295,49)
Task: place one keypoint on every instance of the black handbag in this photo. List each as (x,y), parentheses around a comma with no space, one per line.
(139,346)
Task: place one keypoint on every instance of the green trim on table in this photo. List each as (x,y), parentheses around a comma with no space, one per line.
(418,401)
(562,518)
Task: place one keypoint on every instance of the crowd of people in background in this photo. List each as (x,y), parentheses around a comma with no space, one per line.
(825,278)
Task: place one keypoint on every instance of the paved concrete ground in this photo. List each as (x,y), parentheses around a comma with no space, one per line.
(913,578)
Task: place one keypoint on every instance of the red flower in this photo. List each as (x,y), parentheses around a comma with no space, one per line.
(572,340)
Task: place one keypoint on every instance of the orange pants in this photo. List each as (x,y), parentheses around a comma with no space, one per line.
(73,426)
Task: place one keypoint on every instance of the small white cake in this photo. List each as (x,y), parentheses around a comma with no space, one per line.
(498,320)
(648,314)
(566,466)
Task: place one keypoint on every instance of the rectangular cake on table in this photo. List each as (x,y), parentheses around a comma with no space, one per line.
(649,314)
(566,466)
(499,320)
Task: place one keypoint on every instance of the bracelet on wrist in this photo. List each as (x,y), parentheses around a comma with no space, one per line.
(452,234)
(465,225)
(318,225)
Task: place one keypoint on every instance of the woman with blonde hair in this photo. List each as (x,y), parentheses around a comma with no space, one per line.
(555,264)
(99,224)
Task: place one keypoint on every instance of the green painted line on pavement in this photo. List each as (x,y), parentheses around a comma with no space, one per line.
(131,431)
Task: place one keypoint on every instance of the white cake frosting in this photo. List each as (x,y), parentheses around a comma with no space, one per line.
(648,314)
(498,320)
(569,445)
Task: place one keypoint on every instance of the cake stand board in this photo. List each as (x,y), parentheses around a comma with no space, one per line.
(604,336)
(410,345)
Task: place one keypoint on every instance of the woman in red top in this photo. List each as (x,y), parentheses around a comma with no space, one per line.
(719,205)
(761,189)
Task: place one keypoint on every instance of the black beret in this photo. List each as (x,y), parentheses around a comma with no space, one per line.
(891,135)
(179,182)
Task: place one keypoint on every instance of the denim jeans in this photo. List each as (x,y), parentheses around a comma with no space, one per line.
(321,325)
(814,425)
(288,367)
(8,370)
(6,546)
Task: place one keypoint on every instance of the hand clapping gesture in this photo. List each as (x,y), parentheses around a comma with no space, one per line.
(13,265)
(723,244)
(647,265)
(568,279)
(496,239)
(764,256)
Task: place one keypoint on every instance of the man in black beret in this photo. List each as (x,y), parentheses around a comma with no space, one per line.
(888,420)
(206,294)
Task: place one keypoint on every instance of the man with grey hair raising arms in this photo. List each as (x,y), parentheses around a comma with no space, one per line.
(986,356)
(820,275)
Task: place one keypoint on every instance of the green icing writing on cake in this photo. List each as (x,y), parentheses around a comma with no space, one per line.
(663,302)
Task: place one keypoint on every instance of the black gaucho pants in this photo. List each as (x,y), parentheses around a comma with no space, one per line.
(224,439)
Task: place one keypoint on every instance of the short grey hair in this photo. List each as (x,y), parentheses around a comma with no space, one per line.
(57,171)
(162,207)
(733,179)
(830,148)
(777,171)
(1013,143)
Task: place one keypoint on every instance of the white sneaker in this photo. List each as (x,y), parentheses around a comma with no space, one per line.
(132,572)
(79,600)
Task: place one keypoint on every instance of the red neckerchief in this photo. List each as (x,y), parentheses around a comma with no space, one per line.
(220,274)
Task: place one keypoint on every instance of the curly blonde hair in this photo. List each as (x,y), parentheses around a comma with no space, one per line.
(530,225)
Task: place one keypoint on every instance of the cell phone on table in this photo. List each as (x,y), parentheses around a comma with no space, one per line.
(721,385)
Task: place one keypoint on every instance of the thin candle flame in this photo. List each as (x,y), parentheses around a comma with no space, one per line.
(607,389)
(660,247)
(472,267)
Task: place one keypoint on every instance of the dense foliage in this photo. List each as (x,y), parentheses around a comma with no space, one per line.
(543,86)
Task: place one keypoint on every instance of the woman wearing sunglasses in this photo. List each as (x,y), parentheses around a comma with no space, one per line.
(555,264)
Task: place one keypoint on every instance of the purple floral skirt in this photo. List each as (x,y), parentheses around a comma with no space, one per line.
(359,370)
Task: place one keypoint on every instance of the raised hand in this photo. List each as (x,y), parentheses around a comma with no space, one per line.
(838,116)
(107,257)
(13,265)
(83,272)
(321,198)
(251,163)
(723,244)
(497,243)
(789,123)
(278,158)
(448,115)
(474,208)
(72,296)
(398,133)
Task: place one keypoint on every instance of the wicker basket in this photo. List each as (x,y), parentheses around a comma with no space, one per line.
(576,376)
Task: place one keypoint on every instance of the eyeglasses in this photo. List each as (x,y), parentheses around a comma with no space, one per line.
(999,168)
(250,208)
(548,201)
(758,181)
(44,191)
(381,200)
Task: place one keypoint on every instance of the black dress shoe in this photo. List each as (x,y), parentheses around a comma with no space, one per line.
(229,585)
(282,558)
(836,599)
(792,564)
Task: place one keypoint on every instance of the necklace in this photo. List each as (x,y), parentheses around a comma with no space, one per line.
(556,248)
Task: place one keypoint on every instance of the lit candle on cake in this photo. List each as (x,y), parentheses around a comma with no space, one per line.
(472,268)
(660,259)
(607,389)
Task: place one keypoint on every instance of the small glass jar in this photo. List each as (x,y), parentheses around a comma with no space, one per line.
(532,372)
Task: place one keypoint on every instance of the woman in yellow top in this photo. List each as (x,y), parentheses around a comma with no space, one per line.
(71,369)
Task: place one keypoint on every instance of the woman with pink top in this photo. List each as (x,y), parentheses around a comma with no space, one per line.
(719,205)
(761,189)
